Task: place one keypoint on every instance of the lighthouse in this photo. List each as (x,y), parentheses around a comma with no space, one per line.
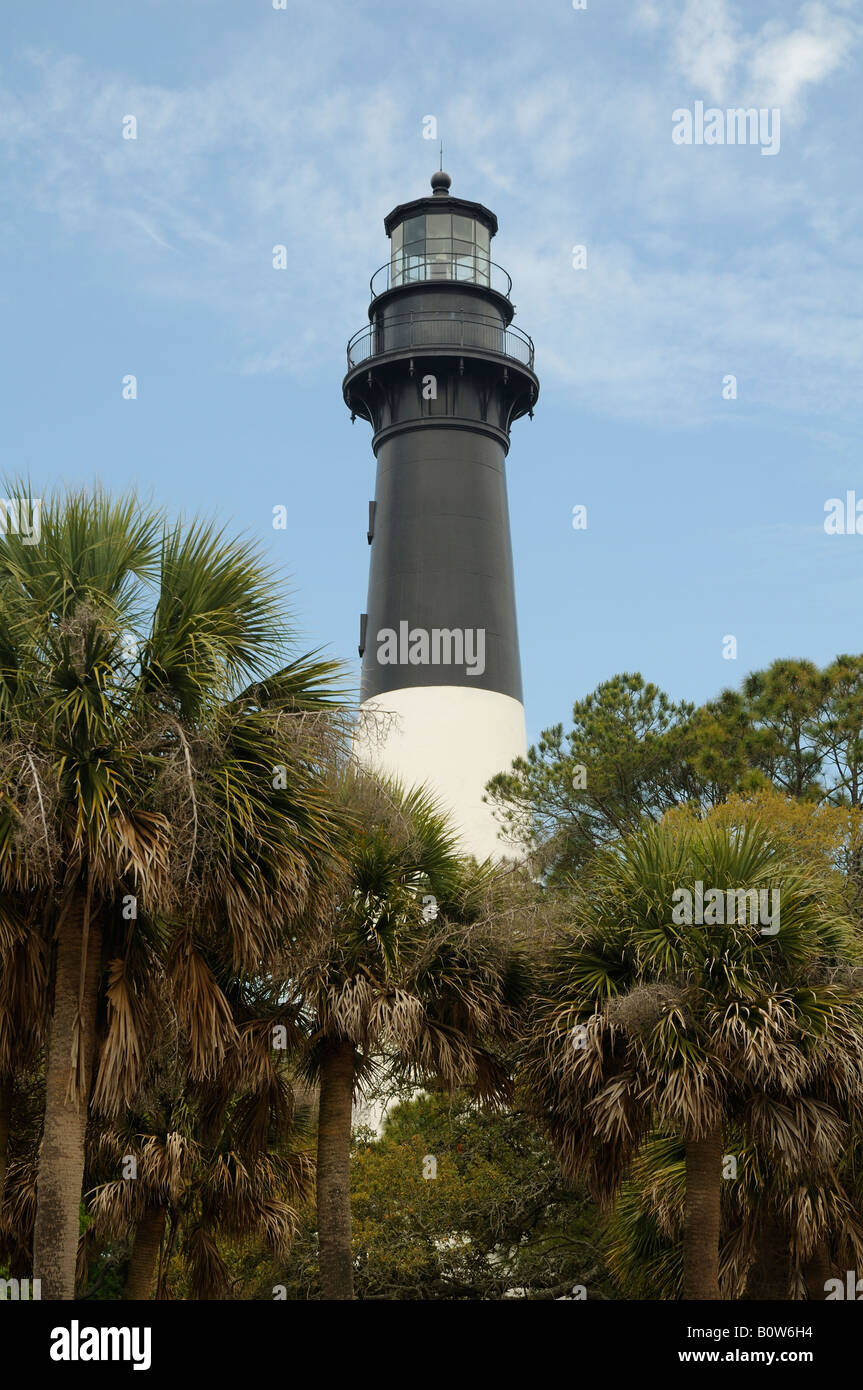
(441,373)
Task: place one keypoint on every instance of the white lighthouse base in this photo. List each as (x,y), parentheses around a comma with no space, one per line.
(453,740)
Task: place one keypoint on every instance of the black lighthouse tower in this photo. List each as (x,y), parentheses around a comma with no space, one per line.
(441,373)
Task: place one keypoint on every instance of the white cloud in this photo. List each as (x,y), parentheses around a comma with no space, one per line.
(783,65)
(647,14)
(772,67)
(708,46)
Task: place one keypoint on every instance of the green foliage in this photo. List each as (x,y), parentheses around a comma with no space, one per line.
(645,1254)
(629,739)
(792,727)
(496,1221)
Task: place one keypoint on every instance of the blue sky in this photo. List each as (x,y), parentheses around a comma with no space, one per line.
(303,127)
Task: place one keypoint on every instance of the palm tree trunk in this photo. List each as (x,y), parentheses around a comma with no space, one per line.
(145,1254)
(701,1216)
(6,1090)
(769,1275)
(61,1157)
(334,1171)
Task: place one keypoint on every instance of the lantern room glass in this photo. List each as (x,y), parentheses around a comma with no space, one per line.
(440,246)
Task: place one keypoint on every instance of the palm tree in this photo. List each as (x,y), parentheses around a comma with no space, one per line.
(23,956)
(217,1159)
(645,1022)
(137,1207)
(407,974)
(782,1214)
(155,798)
(18,1208)
(198,1193)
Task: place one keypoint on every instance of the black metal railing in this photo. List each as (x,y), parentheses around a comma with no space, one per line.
(436,330)
(443,265)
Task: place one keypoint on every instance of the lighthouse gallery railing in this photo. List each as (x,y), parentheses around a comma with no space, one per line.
(433,330)
(441,265)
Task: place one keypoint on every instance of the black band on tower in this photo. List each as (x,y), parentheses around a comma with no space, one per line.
(440,373)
